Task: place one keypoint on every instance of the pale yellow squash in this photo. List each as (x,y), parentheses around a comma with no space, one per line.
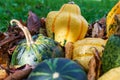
(83,50)
(112,74)
(67,24)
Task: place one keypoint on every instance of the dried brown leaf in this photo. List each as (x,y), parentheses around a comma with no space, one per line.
(94,66)
(97,29)
(19,73)
(33,22)
(2,36)
(69,50)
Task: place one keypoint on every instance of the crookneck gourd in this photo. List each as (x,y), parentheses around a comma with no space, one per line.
(84,50)
(34,50)
(110,21)
(111,53)
(67,24)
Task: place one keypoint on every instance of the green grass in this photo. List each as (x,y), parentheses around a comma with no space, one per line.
(92,10)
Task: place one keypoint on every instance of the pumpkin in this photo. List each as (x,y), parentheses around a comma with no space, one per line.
(34,49)
(112,74)
(110,21)
(67,24)
(83,50)
(58,69)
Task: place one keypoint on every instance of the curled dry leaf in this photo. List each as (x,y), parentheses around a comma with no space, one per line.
(4,59)
(12,36)
(19,73)
(33,23)
(97,29)
(69,50)
(94,66)
(2,36)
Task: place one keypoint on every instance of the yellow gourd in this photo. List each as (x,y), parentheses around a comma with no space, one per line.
(110,21)
(112,74)
(67,24)
(83,50)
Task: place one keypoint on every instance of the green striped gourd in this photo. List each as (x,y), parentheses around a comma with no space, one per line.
(33,50)
(58,69)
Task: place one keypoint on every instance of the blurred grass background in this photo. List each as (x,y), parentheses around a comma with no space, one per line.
(92,10)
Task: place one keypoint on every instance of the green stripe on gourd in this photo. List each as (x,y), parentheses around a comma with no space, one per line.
(33,50)
(58,69)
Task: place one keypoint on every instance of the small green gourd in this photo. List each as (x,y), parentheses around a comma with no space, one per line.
(34,49)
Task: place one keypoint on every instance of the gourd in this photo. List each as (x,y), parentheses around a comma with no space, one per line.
(112,74)
(83,50)
(111,53)
(58,69)
(110,21)
(34,49)
(67,24)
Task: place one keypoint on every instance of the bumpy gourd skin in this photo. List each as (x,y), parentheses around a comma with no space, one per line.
(111,54)
(42,49)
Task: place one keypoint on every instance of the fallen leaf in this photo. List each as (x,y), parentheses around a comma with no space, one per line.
(94,66)
(19,73)
(2,36)
(69,50)
(97,29)
(33,23)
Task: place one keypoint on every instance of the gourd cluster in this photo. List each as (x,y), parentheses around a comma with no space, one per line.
(47,53)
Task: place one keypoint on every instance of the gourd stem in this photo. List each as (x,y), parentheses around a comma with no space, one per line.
(25,30)
(71,2)
(29,36)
